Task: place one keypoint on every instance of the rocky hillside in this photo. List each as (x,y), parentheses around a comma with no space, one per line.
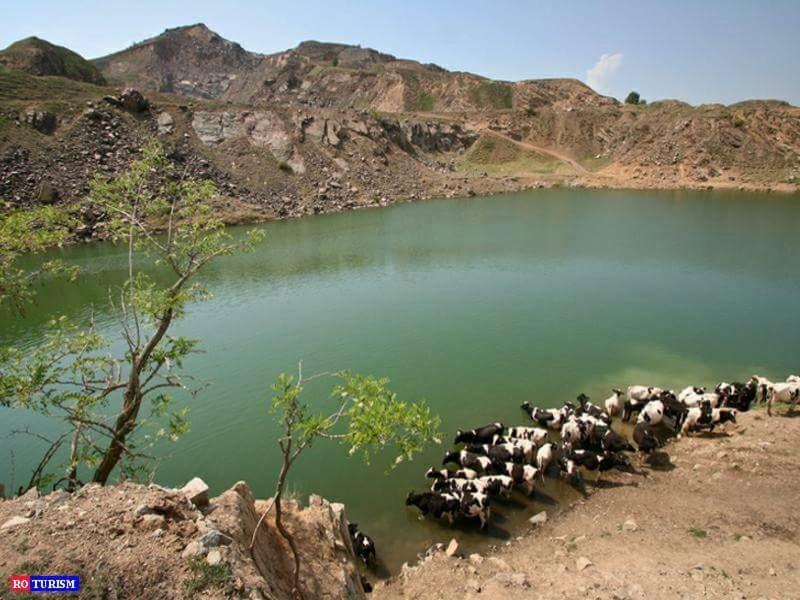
(197,62)
(38,57)
(135,541)
(328,127)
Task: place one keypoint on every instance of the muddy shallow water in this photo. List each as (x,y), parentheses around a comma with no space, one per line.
(475,304)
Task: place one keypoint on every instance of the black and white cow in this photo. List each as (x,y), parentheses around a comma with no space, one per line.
(445,474)
(739,395)
(571,461)
(637,397)
(552,418)
(363,545)
(476,505)
(537,435)
(611,441)
(763,387)
(645,438)
(518,451)
(522,476)
(687,394)
(546,456)
(614,402)
(480,435)
(785,392)
(468,460)
(705,417)
(587,408)
(435,504)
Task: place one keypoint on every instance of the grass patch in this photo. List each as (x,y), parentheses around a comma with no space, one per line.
(499,156)
(698,533)
(592,163)
(205,576)
(15,85)
(492,94)
(425,102)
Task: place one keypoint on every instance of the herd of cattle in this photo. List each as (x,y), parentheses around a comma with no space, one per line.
(495,460)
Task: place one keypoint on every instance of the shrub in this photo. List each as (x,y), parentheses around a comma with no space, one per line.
(205,575)
(425,102)
(632,98)
(285,167)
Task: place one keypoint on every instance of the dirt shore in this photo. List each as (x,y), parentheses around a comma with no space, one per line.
(719,519)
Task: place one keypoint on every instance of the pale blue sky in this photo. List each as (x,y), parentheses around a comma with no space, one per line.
(694,50)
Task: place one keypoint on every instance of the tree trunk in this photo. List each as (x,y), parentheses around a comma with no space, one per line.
(126,419)
(296,592)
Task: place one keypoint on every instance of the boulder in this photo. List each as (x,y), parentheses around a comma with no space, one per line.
(193,549)
(42,121)
(630,526)
(47,194)
(196,491)
(453,549)
(131,100)
(14,522)
(166,124)
(214,538)
(539,518)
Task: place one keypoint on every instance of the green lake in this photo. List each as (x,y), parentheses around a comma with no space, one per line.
(474,304)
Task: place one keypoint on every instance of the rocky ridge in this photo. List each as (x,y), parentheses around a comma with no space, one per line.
(136,541)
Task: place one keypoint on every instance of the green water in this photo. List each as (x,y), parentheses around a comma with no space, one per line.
(475,304)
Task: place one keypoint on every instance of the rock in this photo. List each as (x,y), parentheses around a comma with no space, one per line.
(14,522)
(133,101)
(538,518)
(166,124)
(630,525)
(196,491)
(143,509)
(499,564)
(193,549)
(512,579)
(215,538)
(42,121)
(47,194)
(214,557)
(582,563)
(31,494)
(453,549)
(472,585)
(475,559)
(151,522)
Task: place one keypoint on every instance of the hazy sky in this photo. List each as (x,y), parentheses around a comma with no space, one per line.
(694,50)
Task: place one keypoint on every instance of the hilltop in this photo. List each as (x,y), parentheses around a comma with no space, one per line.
(196,62)
(39,57)
(326,127)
